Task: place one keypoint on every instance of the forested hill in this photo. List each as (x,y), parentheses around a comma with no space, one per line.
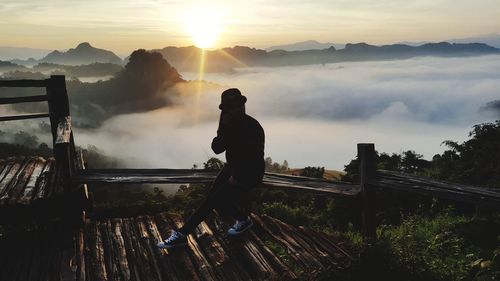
(226,59)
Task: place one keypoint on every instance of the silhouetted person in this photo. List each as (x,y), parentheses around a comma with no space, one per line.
(242,137)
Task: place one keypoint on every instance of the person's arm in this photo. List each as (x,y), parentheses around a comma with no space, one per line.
(219,142)
(257,140)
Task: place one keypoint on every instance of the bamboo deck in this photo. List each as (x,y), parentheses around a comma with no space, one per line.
(24,180)
(125,249)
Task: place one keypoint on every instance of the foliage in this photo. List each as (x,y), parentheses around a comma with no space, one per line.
(409,162)
(275,167)
(95,158)
(213,163)
(444,247)
(476,161)
(9,149)
(313,172)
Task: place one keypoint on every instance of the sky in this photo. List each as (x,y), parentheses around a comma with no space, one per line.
(126,25)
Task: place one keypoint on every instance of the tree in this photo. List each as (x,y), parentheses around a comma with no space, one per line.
(313,172)
(213,163)
(475,161)
(275,167)
(413,163)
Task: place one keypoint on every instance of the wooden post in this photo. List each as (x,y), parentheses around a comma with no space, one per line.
(60,122)
(366,156)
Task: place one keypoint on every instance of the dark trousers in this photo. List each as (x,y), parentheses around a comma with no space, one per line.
(224,197)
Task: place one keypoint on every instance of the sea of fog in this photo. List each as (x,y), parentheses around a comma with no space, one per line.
(315,115)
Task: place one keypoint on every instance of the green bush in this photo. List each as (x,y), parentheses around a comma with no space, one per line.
(445,247)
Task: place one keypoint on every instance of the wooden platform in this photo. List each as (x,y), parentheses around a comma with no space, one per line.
(125,249)
(24,180)
(45,253)
(28,189)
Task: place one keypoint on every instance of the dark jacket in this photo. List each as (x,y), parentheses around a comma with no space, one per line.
(244,146)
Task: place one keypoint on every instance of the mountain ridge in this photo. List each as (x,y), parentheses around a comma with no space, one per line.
(227,59)
(84,53)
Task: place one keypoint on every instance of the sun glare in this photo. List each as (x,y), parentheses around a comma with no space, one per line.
(203,26)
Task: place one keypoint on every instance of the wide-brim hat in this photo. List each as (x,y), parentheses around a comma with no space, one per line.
(231,98)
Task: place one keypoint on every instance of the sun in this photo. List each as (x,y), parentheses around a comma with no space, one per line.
(204,26)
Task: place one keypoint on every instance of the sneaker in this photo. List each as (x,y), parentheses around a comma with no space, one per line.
(240,226)
(176,239)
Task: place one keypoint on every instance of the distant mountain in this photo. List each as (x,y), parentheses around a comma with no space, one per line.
(227,59)
(6,66)
(305,45)
(86,70)
(489,39)
(21,53)
(27,62)
(84,53)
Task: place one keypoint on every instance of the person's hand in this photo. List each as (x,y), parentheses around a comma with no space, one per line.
(232,180)
(224,118)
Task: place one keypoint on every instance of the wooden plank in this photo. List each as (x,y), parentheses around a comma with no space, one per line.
(31,185)
(123,270)
(36,255)
(24,116)
(254,259)
(109,253)
(366,156)
(28,83)
(440,193)
(11,178)
(98,258)
(298,254)
(3,166)
(63,130)
(178,259)
(411,179)
(22,181)
(286,233)
(132,255)
(163,260)
(58,102)
(281,270)
(147,245)
(14,100)
(144,269)
(49,254)
(44,181)
(429,187)
(6,168)
(199,259)
(328,244)
(80,255)
(203,176)
(215,253)
(8,175)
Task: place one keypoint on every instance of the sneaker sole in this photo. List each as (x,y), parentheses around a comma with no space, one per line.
(243,230)
(173,246)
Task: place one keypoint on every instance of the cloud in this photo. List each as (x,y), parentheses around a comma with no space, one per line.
(491,109)
(432,90)
(314,115)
